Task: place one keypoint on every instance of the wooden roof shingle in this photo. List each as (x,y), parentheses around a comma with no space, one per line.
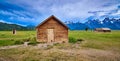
(52,16)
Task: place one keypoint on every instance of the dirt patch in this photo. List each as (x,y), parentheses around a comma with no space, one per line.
(95,54)
(10,47)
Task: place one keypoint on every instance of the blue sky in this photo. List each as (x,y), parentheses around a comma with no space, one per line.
(32,12)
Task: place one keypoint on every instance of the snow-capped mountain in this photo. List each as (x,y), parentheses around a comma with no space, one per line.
(92,24)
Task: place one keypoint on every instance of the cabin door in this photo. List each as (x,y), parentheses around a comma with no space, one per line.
(50,35)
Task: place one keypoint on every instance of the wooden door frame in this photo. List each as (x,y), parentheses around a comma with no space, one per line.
(52,36)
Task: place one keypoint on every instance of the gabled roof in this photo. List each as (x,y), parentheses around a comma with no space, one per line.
(103,29)
(52,16)
(106,28)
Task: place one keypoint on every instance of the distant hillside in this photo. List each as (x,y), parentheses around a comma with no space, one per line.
(113,24)
(30,27)
(7,27)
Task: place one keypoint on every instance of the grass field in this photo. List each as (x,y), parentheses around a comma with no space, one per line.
(98,40)
(96,46)
(7,38)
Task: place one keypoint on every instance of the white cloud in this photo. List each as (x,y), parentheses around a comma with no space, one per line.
(81,9)
(18,15)
(65,8)
(2,21)
(6,13)
(117,13)
(5,22)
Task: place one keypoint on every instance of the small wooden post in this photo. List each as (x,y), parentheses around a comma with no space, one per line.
(14,31)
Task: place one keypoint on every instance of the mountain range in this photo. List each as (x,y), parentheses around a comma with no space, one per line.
(8,27)
(113,24)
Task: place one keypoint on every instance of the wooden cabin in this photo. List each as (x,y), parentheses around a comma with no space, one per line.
(52,30)
(103,30)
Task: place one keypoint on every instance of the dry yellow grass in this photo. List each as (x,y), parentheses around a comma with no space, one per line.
(58,53)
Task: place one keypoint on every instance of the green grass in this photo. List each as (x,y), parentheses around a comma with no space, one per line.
(98,40)
(84,46)
(7,38)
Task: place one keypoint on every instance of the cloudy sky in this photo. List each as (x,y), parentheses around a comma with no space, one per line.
(32,12)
